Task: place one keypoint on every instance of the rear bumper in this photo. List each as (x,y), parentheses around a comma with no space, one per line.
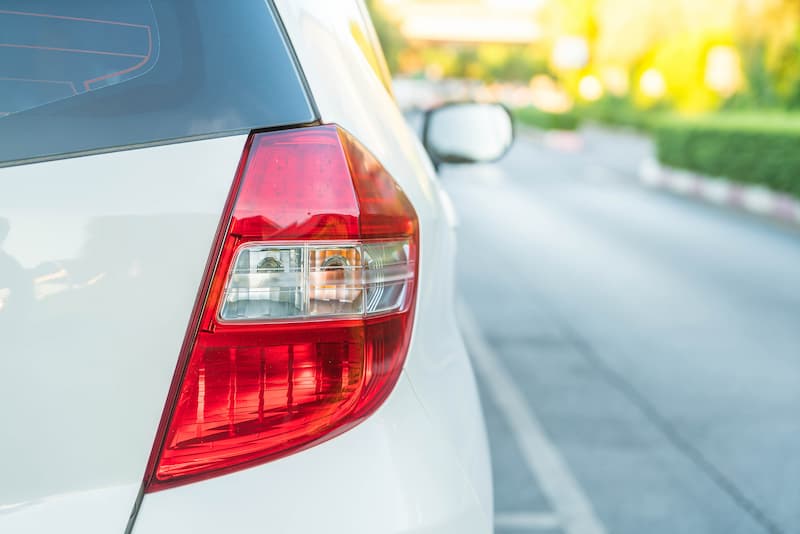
(393,473)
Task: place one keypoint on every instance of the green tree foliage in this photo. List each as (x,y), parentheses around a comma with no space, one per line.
(672,36)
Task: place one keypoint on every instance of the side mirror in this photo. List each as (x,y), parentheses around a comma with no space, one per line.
(467,132)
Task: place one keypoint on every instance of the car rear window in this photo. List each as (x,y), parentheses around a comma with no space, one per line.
(94,75)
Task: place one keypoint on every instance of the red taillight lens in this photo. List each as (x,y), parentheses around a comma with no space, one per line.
(307,317)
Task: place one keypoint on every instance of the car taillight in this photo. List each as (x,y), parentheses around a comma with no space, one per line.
(304,320)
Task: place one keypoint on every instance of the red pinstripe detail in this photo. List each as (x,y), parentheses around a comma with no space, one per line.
(87,84)
(78,19)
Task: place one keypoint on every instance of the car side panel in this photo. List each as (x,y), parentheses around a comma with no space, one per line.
(348,92)
(101,267)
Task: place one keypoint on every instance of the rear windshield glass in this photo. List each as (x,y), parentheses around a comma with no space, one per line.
(98,74)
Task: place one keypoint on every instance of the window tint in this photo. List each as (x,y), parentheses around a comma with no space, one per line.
(99,74)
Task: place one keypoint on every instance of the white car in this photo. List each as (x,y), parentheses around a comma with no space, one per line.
(226,285)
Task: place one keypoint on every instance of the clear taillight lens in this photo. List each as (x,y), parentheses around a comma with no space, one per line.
(314,281)
(304,319)
(388,276)
(266,282)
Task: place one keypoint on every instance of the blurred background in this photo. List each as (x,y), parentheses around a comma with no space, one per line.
(676,69)
(629,274)
(614,61)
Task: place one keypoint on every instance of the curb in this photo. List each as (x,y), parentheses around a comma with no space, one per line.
(754,199)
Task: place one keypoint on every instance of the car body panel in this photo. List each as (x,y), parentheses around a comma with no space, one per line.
(97,510)
(348,92)
(102,262)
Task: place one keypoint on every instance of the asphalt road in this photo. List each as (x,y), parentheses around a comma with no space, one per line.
(638,353)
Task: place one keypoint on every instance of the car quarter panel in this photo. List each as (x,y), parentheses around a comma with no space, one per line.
(420,463)
(348,91)
(102,262)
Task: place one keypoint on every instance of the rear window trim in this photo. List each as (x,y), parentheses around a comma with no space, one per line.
(152,144)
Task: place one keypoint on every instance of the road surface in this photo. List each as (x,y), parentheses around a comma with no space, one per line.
(638,353)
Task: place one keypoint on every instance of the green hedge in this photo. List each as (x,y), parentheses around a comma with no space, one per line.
(537,118)
(758,148)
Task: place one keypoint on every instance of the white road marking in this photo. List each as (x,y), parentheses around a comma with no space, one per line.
(573,509)
(526,521)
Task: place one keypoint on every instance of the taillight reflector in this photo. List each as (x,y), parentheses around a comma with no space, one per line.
(304,323)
